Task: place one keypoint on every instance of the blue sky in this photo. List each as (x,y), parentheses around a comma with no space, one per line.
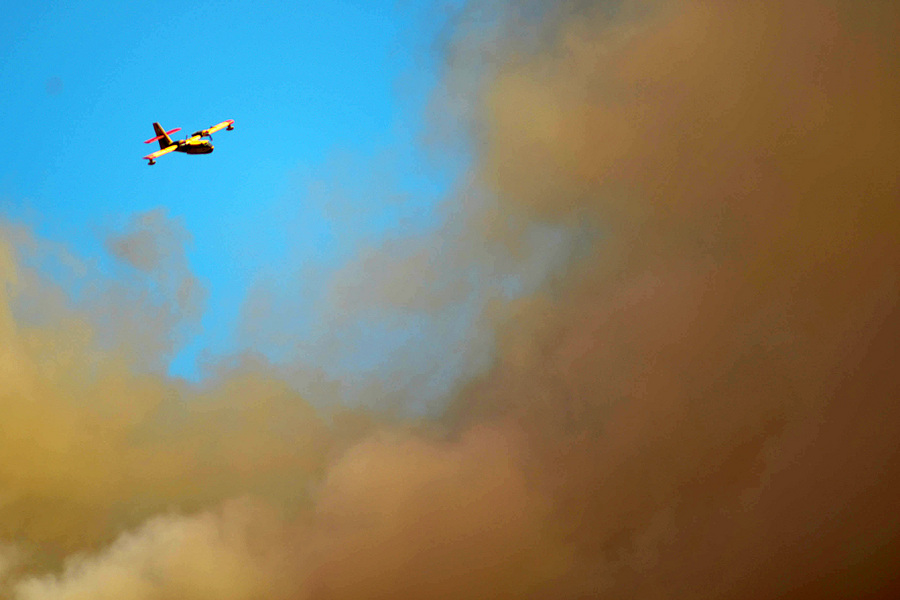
(328,100)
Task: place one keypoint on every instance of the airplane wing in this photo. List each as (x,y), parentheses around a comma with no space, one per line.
(229,124)
(153,156)
(208,132)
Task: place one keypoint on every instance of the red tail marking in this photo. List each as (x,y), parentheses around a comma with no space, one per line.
(159,136)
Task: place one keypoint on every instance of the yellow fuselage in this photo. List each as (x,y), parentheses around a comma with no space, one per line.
(194,146)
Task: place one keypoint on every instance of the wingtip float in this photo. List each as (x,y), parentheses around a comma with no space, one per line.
(195,144)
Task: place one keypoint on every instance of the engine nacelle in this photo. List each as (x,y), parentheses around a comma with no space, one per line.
(152,162)
(229,128)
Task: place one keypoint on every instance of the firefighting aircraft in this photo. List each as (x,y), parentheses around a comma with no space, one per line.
(192,145)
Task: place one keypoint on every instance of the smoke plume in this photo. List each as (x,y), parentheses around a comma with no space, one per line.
(699,401)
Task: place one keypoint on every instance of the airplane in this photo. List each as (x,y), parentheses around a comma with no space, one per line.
(192,145)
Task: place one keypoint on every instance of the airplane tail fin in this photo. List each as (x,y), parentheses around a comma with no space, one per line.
(164,140)
(163,136)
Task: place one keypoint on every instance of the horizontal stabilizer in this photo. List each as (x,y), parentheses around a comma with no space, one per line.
(161,135)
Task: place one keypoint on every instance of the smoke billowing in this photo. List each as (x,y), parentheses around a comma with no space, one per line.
(702,402)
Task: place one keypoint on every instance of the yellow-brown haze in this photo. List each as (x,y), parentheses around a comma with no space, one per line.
(709,397)
(90,446)
(703,405)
